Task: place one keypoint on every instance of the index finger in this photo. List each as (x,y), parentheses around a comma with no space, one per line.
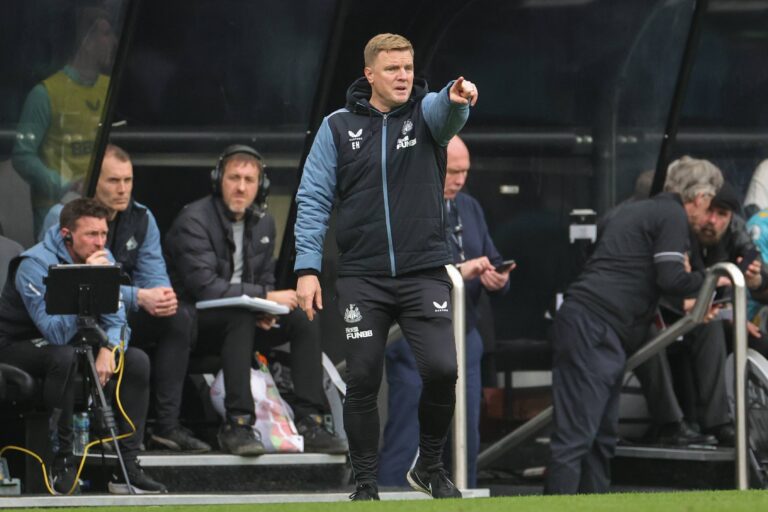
(305,303)
(169,300)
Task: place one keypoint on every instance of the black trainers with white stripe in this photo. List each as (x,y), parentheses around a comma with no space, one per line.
(64,473)
(366,491)
(433,481)
(179,439)
(141,482)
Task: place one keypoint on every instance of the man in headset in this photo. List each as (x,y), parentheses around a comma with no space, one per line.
(222,246)
(40,343)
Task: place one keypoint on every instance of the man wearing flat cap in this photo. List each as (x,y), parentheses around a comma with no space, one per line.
(721,236)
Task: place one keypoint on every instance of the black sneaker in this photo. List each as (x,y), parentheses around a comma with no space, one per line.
(240,440)
(725,434)
(681,434)
(365,492)
(317,439)
(433,481)
(179,439)
(63,477)
(141,482)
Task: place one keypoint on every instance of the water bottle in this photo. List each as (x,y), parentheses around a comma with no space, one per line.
(54,441)
(80,426)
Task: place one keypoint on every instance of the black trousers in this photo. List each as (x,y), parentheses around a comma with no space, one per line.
(704,351)
(588,366)
(421,305)
(56,365)
(232,333)
(306,360)
(169,340)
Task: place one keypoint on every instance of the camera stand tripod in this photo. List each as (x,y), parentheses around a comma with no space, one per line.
(89,334)
(88,291)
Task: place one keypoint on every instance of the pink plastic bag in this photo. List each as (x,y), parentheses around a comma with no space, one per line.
(274,417)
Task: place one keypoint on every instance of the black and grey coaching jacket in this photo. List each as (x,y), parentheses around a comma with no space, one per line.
(385,172)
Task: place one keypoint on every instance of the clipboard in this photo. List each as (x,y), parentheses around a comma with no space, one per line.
(244,301)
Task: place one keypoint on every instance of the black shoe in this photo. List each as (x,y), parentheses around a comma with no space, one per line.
(179,439)
(681,434)
(236,436)
(365,492)
(725,434)
(64,473)
(433,481)
(317,439)
(141,482)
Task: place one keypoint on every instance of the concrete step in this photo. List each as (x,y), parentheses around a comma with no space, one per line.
(692,453)
(165,459)
(106,500)
(220,472)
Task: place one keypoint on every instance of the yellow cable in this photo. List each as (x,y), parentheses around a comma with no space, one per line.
(36,456)
(119,368)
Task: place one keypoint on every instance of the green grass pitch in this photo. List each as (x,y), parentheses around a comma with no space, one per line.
(726,501)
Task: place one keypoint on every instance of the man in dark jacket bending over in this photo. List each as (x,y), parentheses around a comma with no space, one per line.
(222,246)
(640,255)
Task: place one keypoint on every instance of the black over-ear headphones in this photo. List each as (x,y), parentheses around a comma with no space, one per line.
(217,174)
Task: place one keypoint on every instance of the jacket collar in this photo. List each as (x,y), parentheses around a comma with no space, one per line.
(359,94)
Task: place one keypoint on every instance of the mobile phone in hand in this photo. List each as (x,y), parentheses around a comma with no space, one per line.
(747,259)
(504,265)
(723,295)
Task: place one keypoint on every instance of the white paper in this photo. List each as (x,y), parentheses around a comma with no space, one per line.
(244,301)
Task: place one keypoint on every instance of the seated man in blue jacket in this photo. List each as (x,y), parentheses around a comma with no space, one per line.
(222,246)
(476,255)
(40,343)
(151,305)
(150,301)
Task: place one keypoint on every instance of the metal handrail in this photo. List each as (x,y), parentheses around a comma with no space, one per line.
(459,452)
(659,343)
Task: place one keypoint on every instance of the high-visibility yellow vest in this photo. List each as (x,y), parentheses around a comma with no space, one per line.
(75,115)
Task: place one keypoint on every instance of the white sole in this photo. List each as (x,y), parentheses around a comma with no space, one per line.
(117,488)
(415,486)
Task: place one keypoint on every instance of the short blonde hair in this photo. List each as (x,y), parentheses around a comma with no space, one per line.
(383,43)
(690,177)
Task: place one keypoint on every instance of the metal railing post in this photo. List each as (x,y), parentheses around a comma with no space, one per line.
(460,411)
(740,368)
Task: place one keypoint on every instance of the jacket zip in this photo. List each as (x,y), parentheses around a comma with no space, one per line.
(386,193)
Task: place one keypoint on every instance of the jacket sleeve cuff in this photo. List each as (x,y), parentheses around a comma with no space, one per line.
(308,262)
(307,272)
(130,297)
